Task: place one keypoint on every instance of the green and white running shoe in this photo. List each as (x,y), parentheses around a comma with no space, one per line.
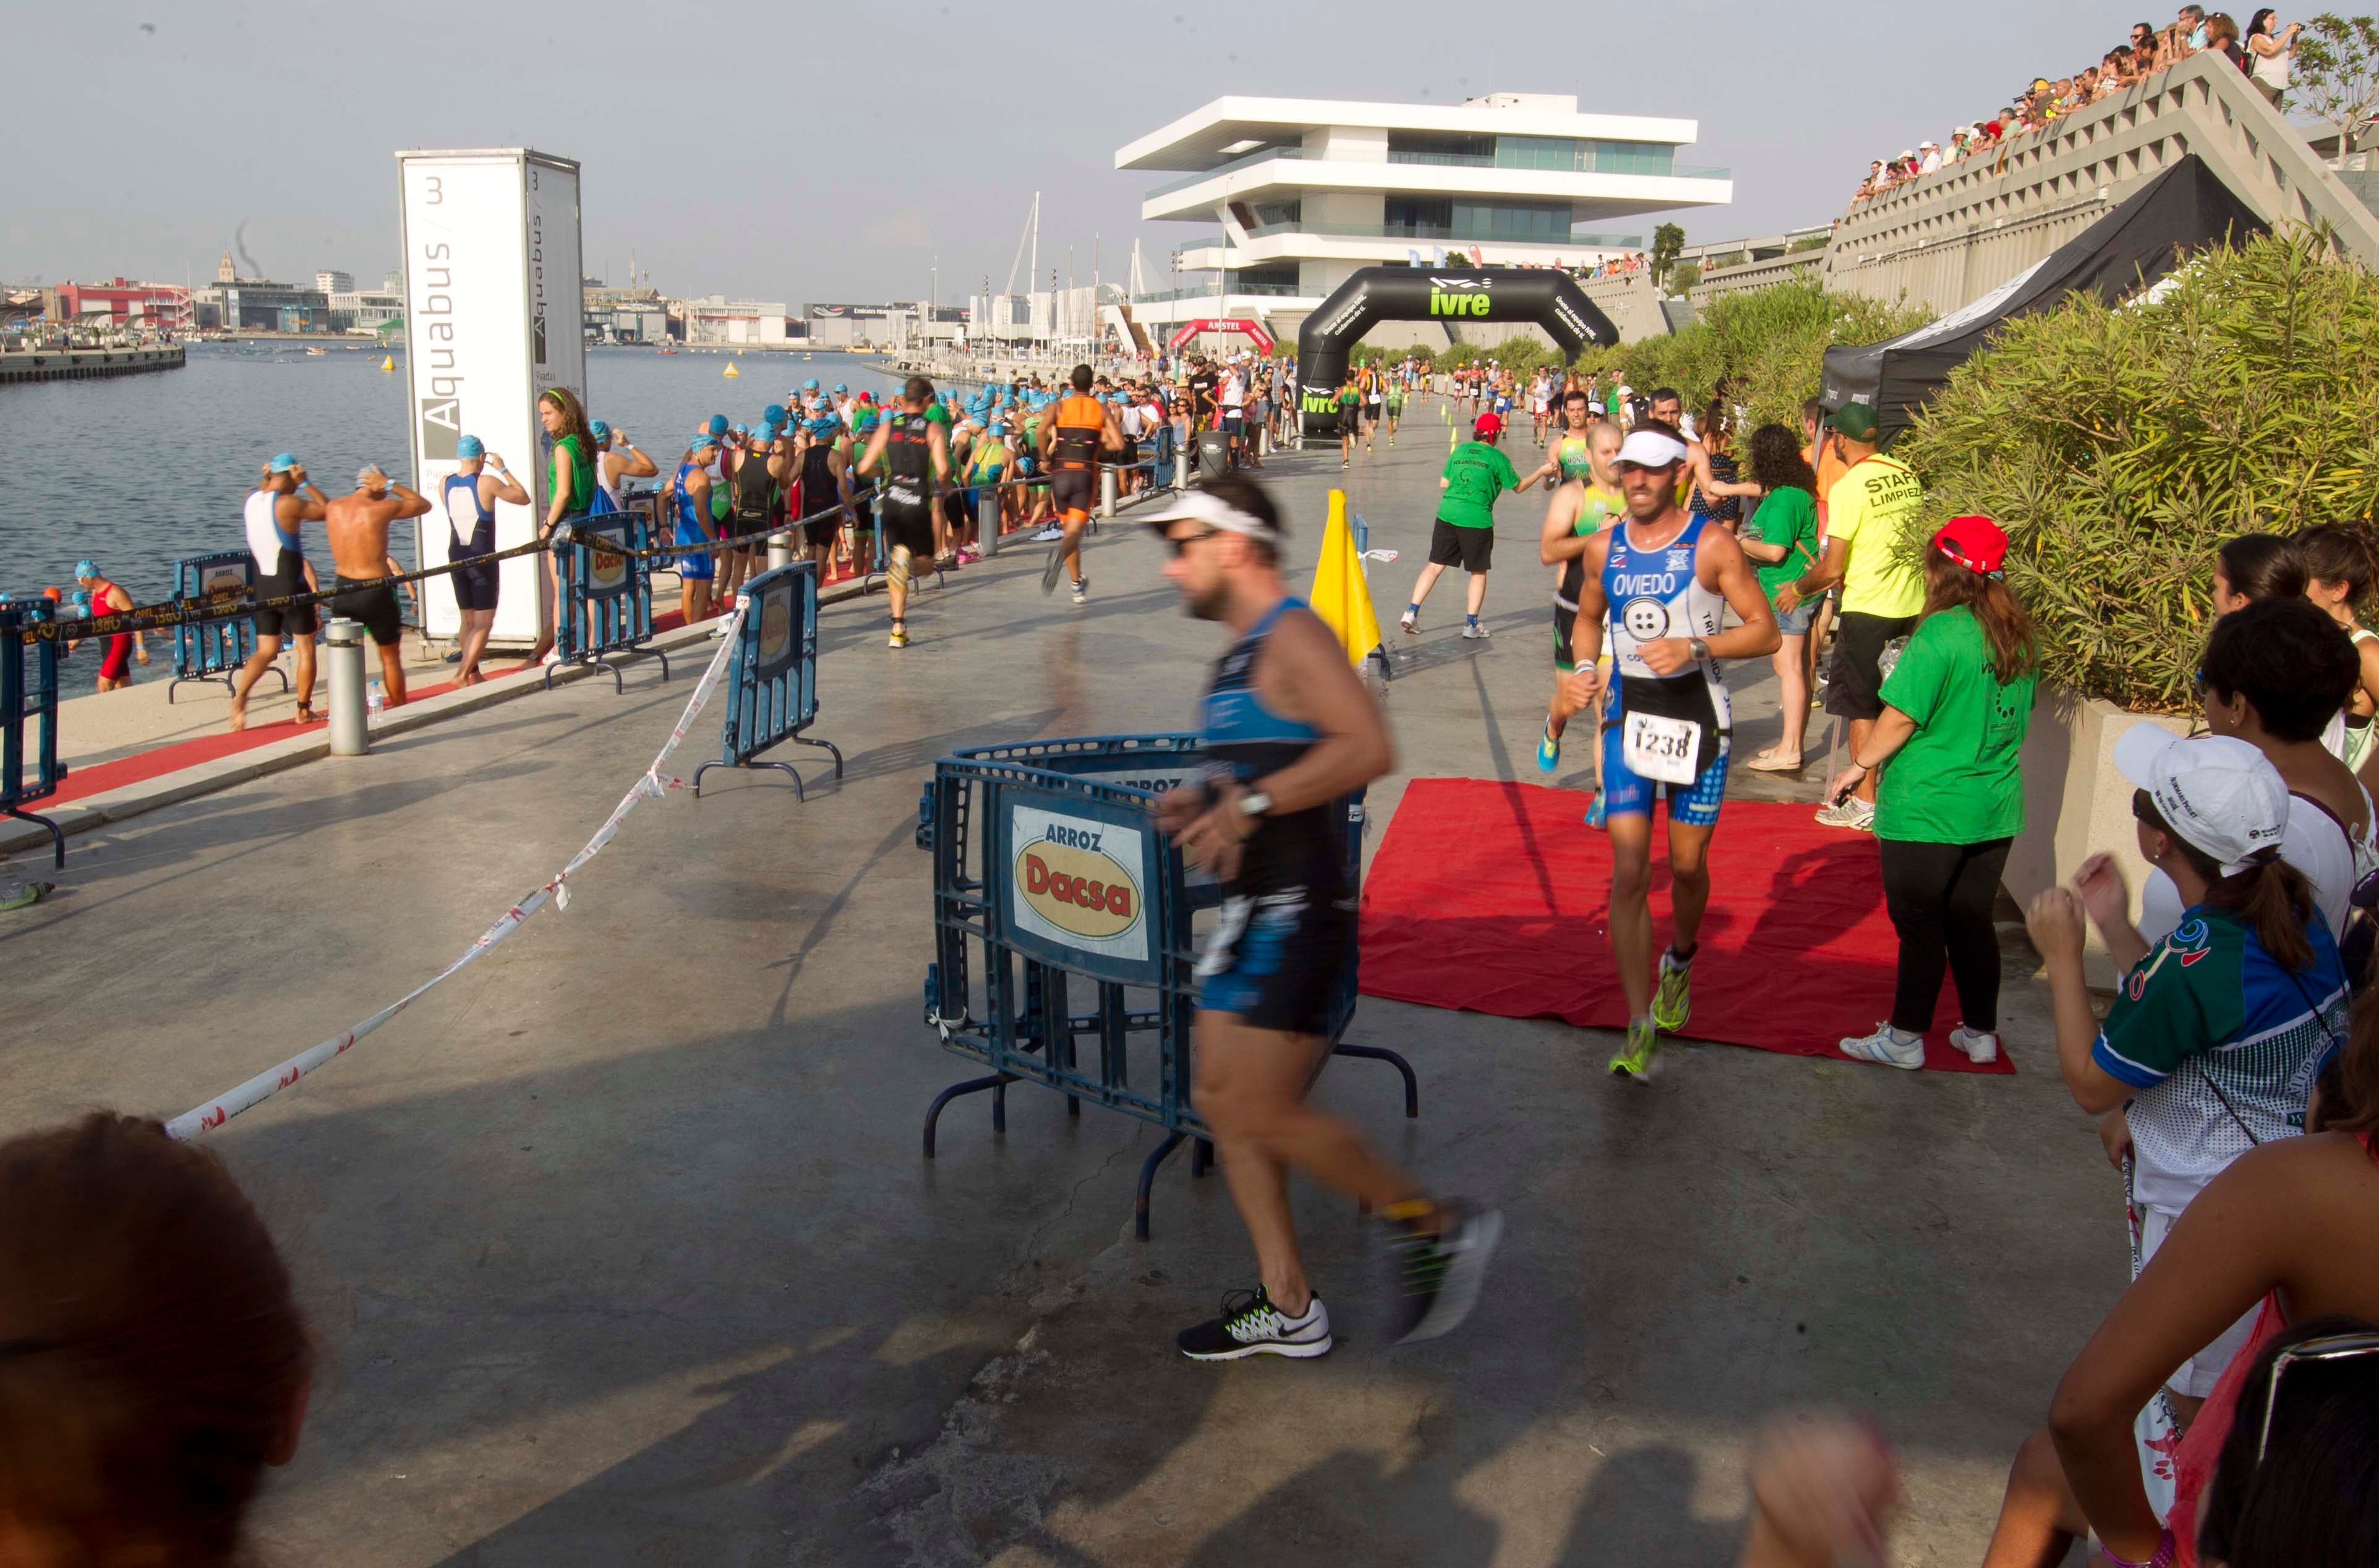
(1636,1059)
(1673,1003)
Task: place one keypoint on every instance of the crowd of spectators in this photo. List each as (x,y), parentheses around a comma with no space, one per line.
(2262,50)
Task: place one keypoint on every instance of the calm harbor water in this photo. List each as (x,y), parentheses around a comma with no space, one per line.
(135,472)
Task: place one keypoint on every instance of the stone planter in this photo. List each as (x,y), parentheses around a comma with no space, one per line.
(2076,804)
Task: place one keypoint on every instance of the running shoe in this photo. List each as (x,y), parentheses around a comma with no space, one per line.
(1410,621)
(1081,590)
(1594,809)
(25,895)
(1852,813)
(1888,1047)
(969,556)
(899,637)
(1634,1059)
(1673,1004)
(1978,1046)
(1548,750)
(1251,1325)
(1051,532)
(1346,463)
(1474,631)
(1438,1276)
(1051,570)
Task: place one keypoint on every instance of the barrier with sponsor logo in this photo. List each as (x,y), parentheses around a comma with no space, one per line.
(606,602)
(772,683)
(1052,881)
(213,650)
(29,769)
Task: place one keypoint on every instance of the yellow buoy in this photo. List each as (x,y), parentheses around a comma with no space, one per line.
(388,362)
(731,370)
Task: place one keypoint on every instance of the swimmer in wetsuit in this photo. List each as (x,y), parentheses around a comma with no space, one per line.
(108,598)
(914,452)
(469,496)
(284,499)
(1290,732)
(690,510)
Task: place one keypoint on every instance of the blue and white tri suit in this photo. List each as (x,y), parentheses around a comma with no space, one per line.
(1649,595)
(691,527)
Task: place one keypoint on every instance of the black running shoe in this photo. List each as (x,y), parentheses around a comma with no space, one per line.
(1251,1325)
(1438,1276)
(1054,570)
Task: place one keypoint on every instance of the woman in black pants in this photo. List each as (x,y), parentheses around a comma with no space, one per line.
(1956,707)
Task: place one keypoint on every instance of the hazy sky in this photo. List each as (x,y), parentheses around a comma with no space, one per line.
(826,152)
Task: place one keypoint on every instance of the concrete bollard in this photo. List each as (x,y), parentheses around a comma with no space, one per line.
(344,659)
(780,550)
(1108,483)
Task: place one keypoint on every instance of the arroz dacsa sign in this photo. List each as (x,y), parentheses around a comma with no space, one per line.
(1076,882)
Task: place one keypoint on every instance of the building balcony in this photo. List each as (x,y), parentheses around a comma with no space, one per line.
(1642,188)
(1272,243)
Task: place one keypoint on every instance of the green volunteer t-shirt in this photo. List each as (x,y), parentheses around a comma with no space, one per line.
(1957,780)
(1475,475)
(1787,517)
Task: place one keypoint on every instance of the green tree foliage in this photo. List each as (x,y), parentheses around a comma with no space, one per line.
(1667,240)
(2336,74)
(1684,276)
(1768,344)
(2119,447)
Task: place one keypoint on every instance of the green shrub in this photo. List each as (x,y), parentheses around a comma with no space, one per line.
(2119,447)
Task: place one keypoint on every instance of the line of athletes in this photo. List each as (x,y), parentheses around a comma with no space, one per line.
(904,485)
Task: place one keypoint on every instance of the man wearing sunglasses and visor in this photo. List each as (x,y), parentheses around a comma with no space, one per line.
(1663,579)
(1288,730)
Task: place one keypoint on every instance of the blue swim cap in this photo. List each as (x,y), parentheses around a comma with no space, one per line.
(840,389)
(469,447)
(86,569)
(703,438)
(598,429)
(717,426)
(285,462)
(773,415)
(810,385)
(739,430)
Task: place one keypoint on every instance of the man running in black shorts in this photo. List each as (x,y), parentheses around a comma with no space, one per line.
(914,452)
(1288,732)
(1074,434)
(358,528)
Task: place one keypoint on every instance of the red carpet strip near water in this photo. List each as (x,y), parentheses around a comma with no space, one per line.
(1491,897)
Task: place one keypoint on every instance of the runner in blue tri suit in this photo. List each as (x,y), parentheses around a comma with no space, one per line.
(1663,580)
(690,505)
(1289,732)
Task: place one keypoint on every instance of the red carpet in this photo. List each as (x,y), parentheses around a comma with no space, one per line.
(1490,896)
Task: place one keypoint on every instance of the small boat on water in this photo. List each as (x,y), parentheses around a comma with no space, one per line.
(315,353)
(667,352)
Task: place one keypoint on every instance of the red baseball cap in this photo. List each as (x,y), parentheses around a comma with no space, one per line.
(1975,543)
(1488,425)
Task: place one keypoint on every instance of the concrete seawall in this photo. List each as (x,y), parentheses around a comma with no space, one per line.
(84,364)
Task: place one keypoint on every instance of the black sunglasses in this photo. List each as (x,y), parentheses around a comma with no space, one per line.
(2326,1347)
(1182,542)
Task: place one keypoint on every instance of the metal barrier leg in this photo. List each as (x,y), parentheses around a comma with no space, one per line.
(972,1086)
(1148,1176)
(57,839)
(799,794)
(1202,1155)
(830,745)
(1412,1086)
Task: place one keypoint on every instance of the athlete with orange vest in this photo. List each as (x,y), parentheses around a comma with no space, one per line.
(1073,435)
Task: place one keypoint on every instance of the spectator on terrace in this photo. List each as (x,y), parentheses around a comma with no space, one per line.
(2222,33)
(1931,161)
(2269,54)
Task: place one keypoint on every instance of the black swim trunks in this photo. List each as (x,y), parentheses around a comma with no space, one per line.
(288,577)
(1072,490)
(376,607)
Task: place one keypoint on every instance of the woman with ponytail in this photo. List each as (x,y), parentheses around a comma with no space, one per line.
(2341,563)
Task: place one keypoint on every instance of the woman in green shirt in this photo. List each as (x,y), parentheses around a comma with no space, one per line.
(1956,706)
(1781,537)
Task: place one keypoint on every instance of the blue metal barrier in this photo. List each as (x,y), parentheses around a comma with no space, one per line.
(605,605)
(29,769)
(213,650)
(772,676)
(1049,870)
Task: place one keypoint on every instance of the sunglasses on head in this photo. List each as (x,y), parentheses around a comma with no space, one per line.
(2326,1348)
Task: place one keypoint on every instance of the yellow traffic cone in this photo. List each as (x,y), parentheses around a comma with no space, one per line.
(1341,596)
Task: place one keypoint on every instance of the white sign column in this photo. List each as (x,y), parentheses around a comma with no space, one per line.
(492,319)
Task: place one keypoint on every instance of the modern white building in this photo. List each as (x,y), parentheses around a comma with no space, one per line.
(1308,191)
(719,321)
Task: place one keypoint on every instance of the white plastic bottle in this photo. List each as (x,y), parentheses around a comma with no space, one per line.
(373,703)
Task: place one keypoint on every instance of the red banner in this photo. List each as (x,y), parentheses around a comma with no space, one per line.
(1223,324)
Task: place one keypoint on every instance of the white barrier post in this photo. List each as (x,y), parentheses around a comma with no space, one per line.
(781,549)
(344,657)
(1108,479)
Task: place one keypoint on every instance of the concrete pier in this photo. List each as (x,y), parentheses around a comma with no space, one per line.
(621,1250)
(84,364)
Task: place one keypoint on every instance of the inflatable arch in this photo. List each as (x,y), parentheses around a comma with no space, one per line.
(1550,299)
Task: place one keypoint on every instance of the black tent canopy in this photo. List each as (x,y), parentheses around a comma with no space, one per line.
(2181,210)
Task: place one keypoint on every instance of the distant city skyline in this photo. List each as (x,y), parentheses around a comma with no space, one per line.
(877,155)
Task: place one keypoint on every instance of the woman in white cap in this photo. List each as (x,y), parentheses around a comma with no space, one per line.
(2217,1033)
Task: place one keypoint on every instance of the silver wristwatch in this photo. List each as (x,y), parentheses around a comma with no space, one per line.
(1698,647)
(1254,803)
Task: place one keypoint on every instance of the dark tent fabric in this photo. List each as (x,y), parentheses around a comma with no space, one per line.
(2183,209)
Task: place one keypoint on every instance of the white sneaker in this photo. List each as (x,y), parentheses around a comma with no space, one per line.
(1852,812)
(1979,1048)
(1474,631)
(1888,1047)
(1045,535)
(1410,621)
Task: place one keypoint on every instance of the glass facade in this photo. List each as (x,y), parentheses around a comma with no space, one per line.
(1584,157)
(1444,217)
